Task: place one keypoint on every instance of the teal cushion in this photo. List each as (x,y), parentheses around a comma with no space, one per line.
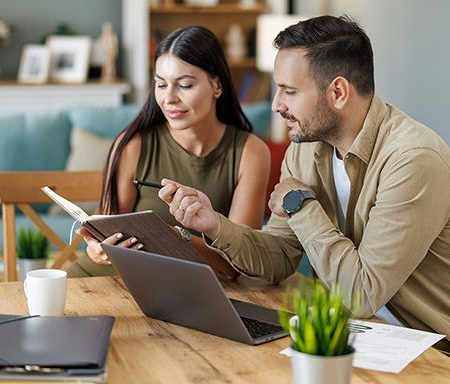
(259,115)
(104,121)
(109,121)
(34,142)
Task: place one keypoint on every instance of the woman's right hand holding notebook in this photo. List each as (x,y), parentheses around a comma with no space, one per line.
(95,251)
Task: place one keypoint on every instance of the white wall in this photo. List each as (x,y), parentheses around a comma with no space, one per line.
(411,43)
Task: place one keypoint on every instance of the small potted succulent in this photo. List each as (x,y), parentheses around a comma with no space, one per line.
(321,350)
(33,249)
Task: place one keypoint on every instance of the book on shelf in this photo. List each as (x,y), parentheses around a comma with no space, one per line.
(155,37)
(245,87)
(152,232)
(254,87)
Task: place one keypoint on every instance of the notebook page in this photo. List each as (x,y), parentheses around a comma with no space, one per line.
(72,209)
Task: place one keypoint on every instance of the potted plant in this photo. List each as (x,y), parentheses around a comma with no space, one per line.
(33,249)
(321,350)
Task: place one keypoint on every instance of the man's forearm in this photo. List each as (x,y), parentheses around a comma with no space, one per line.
(258,253)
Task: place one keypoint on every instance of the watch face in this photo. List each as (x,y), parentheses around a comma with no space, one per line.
(292,201)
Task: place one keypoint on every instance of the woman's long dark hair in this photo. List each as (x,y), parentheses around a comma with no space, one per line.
(199,47)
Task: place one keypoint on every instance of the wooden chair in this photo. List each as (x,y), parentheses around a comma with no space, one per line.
(23,188)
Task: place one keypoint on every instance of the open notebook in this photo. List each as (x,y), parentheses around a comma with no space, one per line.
(150,230)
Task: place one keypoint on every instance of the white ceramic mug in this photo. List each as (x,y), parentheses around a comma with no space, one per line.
(45,290)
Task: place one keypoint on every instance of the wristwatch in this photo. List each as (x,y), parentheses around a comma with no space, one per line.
(294,199)
(184,233)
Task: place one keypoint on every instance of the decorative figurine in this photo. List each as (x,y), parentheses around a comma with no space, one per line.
(235,39)
(110,46)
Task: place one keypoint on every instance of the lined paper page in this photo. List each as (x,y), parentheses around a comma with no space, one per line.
(72,209)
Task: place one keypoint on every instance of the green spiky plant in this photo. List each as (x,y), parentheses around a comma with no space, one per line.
(32,244)
(322,320)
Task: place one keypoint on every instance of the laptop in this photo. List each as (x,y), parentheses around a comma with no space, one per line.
(189,294)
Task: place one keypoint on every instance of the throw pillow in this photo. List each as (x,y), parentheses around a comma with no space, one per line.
(104,121)
(34,142)
(94,131)
(88,152)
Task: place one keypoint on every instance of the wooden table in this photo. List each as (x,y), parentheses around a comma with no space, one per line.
(144,350)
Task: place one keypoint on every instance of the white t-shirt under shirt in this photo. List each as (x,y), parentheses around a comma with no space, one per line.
(342,184)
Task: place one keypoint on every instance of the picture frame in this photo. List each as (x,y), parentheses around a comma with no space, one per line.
(34,64)
(69,58)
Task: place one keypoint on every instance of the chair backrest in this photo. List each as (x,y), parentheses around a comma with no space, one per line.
(23,188)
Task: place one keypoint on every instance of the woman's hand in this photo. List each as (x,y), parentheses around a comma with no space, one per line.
(95,251)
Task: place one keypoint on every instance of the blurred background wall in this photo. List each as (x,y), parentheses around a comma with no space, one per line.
(411,43)
(33,19)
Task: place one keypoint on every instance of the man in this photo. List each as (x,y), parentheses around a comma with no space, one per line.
(364,190)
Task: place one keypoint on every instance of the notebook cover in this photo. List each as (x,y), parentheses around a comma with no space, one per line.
(150,230)
(78,344)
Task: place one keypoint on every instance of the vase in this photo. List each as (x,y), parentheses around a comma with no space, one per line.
(313,369)
(27,265)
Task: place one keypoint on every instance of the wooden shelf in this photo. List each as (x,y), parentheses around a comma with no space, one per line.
(218,9)
(52,97)
(247,63)
(120,84)
(166,18)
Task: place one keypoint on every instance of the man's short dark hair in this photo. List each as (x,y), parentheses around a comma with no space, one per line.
(335,46)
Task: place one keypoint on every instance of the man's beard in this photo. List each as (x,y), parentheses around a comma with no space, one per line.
(324,126)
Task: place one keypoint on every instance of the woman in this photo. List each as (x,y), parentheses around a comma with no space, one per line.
(191,129)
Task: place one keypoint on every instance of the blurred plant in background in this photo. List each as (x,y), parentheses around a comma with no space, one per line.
(61,29)
(32,244)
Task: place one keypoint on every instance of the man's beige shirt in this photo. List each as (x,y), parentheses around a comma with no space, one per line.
(395,249)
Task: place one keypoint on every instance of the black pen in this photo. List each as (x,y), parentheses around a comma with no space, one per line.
(147,183)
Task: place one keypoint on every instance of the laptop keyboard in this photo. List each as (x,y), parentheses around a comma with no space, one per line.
(258,328)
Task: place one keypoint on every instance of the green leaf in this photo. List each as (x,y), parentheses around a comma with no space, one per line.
(335,340)
(311,346)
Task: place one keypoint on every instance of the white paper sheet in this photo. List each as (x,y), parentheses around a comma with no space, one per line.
(387,348)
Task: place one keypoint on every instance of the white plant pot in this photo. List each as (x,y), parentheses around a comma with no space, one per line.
(312,369)
(27,265)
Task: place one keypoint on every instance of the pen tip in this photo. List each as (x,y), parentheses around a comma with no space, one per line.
(134,181)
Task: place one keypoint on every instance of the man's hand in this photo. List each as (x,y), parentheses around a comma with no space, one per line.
(95,251)
(276,197)
(191,208)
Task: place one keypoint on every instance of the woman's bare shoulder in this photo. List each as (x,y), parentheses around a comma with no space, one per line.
(256,147)
(255,158)
(132,149)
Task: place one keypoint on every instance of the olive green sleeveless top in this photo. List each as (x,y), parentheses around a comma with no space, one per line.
(215,174)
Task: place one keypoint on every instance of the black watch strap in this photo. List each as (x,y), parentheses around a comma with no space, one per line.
(307,194)
(294,200)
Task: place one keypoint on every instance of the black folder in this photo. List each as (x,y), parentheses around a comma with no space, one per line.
(54,346)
